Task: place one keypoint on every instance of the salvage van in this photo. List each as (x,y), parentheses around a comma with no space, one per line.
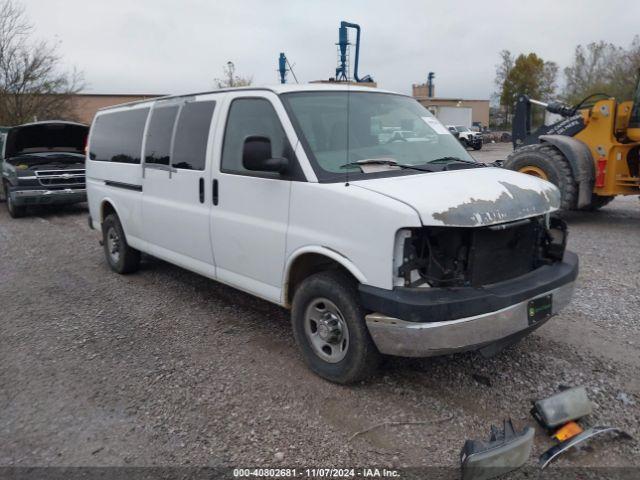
(303,195)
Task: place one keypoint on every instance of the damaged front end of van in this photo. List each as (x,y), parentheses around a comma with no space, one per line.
(480,273)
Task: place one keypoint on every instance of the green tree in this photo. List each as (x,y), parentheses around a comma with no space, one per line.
(526,74)
(602,67)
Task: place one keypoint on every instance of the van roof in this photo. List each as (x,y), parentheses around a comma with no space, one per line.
(50,122)
(277,89)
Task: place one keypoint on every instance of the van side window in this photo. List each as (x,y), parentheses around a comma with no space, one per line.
(252,116)
(158,145)
(117,137)
(192,134)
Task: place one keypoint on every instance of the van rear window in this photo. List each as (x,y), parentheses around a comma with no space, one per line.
(117,137)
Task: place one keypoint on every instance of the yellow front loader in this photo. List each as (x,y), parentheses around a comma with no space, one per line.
(591,154)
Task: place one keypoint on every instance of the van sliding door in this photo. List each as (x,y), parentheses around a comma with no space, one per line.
(176,202)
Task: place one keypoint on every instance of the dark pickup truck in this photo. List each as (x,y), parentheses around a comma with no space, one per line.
(44,163)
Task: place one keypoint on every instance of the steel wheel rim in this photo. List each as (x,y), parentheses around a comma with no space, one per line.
(326,330)
(113,244)
(534,172)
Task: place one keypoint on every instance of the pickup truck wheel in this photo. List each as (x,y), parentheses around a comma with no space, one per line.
(15,211)
(477,147)
(120,256)
(329,327)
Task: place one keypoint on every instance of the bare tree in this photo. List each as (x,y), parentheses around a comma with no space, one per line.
(548,80)
(502,73)
(230,79)
(601,67)
(32,84)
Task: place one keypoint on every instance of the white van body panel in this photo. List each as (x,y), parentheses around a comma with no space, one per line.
(127,202)
(358,224)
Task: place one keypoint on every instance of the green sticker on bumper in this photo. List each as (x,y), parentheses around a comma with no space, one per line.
(539,309)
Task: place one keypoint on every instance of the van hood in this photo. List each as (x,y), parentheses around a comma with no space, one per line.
(469,198)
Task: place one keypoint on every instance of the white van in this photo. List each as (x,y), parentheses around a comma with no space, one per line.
(379,243)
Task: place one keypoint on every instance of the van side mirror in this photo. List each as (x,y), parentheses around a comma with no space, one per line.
(256,156)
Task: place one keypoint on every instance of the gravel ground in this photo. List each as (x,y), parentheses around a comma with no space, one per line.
(165,367)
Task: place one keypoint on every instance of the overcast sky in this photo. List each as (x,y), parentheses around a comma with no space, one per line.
(177,46)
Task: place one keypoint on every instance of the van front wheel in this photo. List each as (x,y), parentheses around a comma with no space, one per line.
(329,327)
(120,256)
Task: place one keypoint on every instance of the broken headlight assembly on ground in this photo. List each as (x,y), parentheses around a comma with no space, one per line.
(571,404)
(561,410)
(463,257)
(505,451)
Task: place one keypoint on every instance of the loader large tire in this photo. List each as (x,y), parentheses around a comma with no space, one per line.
(546,162)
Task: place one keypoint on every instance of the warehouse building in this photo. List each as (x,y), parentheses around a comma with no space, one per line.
(453,110)
(85,105)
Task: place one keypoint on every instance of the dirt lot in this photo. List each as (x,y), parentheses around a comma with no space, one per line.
(165,367)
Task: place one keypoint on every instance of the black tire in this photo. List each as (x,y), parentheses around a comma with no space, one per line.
(361,357)
(555,166)
(15,211)
(597,202)
(477,147)
(120,256)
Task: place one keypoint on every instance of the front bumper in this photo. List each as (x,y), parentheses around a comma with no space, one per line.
(475,141)
(458,319)
(46,196)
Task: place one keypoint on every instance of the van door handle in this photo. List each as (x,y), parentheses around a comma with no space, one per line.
(201,183)
(215,192)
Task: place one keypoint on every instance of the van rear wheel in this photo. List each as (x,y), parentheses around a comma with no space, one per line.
(329,327)
(120,256)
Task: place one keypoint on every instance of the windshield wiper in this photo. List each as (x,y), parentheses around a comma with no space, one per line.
(455,159)
(384,161)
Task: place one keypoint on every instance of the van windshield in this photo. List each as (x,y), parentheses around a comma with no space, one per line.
(340,129)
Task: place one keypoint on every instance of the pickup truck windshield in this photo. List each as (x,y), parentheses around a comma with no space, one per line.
(340,129)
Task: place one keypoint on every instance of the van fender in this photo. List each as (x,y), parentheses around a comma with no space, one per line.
(580,161)
(134,242)
(324,251)
(110,201)
(113,204)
